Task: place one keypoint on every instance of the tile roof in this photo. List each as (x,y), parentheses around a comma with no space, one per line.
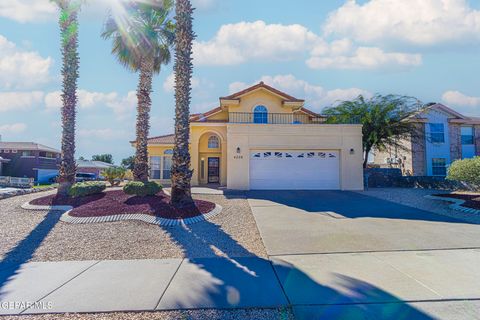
(264,86)
(27,146)
(166,139)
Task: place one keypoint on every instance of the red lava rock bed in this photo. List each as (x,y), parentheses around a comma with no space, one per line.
(117,202)
(471,200)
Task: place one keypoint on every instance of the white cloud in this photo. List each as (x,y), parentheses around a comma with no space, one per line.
(315,95)
(419,22)
(462,102)
(86,100)
(21,69)
(19,101)
(342,54)
(14,128)
(169,83)
(27,10)
(236,43)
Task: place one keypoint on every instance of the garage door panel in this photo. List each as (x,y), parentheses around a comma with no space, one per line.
(304,169)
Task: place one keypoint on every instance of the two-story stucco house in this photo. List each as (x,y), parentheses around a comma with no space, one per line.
(262,138)
(443,136)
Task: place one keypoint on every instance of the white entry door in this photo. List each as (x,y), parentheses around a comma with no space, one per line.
(296,170)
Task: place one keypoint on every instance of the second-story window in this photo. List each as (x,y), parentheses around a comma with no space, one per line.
(213,142)
(437,133)
(260,114)
(467,135)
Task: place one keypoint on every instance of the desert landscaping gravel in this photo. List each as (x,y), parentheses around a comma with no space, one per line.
(39,235)
(239,314)
(416,198)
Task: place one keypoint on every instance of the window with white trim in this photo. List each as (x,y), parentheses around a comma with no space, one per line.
(260,114)
(160,166)
(439,166)
(437,132)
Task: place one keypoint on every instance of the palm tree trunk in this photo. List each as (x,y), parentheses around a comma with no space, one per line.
(181,172)
(140,169)
(69,34)
(365,160)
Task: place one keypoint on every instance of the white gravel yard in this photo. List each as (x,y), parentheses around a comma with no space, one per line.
(39,236)
(416,198)
(239,314)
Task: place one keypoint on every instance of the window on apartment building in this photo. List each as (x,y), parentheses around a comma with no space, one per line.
(27,153)
(439,166)
(437,132)
(467,135)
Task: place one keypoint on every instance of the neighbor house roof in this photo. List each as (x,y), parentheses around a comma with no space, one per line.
(27,146)
(457,117)
(93,164)
(260,85)
(165,139)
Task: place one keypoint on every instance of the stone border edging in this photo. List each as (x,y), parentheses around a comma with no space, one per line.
(66,217)
(22,192)
(456,204)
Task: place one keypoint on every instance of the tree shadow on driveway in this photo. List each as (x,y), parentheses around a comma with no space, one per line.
(346,204)
(248,281)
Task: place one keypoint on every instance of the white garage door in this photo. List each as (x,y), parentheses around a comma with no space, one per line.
(296,170)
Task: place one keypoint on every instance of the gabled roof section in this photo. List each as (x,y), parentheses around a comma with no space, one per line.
(311,113)
(262,85)
(199,116)
(444,108)
(93,164)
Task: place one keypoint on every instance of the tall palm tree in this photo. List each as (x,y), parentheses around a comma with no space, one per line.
(181,172)
(68,21)
(142,37)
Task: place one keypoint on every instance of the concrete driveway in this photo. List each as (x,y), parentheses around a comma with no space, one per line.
(303,222)
(344,255)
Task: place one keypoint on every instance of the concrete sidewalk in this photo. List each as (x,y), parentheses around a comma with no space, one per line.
(438,284)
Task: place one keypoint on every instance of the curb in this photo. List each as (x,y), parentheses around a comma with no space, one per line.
(456,204)
(66,217)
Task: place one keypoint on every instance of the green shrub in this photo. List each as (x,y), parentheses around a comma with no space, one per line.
(467,170)
(142,189)
(114,175)
(83,189)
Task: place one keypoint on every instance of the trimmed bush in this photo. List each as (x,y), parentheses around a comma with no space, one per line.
(467,170)
(142,189)
(83,189)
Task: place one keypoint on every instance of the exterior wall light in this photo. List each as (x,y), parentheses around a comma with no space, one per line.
(352,151)
(238,150)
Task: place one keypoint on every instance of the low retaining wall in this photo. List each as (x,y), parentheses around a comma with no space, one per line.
(392,178)
(20,192)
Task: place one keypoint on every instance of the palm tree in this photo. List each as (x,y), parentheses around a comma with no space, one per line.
(181,172)
(142,38)
(384,119)
(69,10)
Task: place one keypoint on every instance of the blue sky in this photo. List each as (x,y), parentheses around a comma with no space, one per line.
(322,51)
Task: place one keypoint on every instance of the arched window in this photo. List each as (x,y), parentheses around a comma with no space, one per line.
(168,152)
(260,114)
(213,142)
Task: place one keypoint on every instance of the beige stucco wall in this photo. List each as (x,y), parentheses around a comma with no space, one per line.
(250,137)
(273,103)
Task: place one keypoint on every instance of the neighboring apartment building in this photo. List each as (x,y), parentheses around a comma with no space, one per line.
(444,136)
(262,138)
(30,160)
(92,166)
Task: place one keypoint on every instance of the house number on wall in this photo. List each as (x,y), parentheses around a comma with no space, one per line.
(237,157)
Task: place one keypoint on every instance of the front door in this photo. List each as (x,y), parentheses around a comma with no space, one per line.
(214,170)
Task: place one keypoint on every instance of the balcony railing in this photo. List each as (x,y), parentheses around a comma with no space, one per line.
(284,118)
